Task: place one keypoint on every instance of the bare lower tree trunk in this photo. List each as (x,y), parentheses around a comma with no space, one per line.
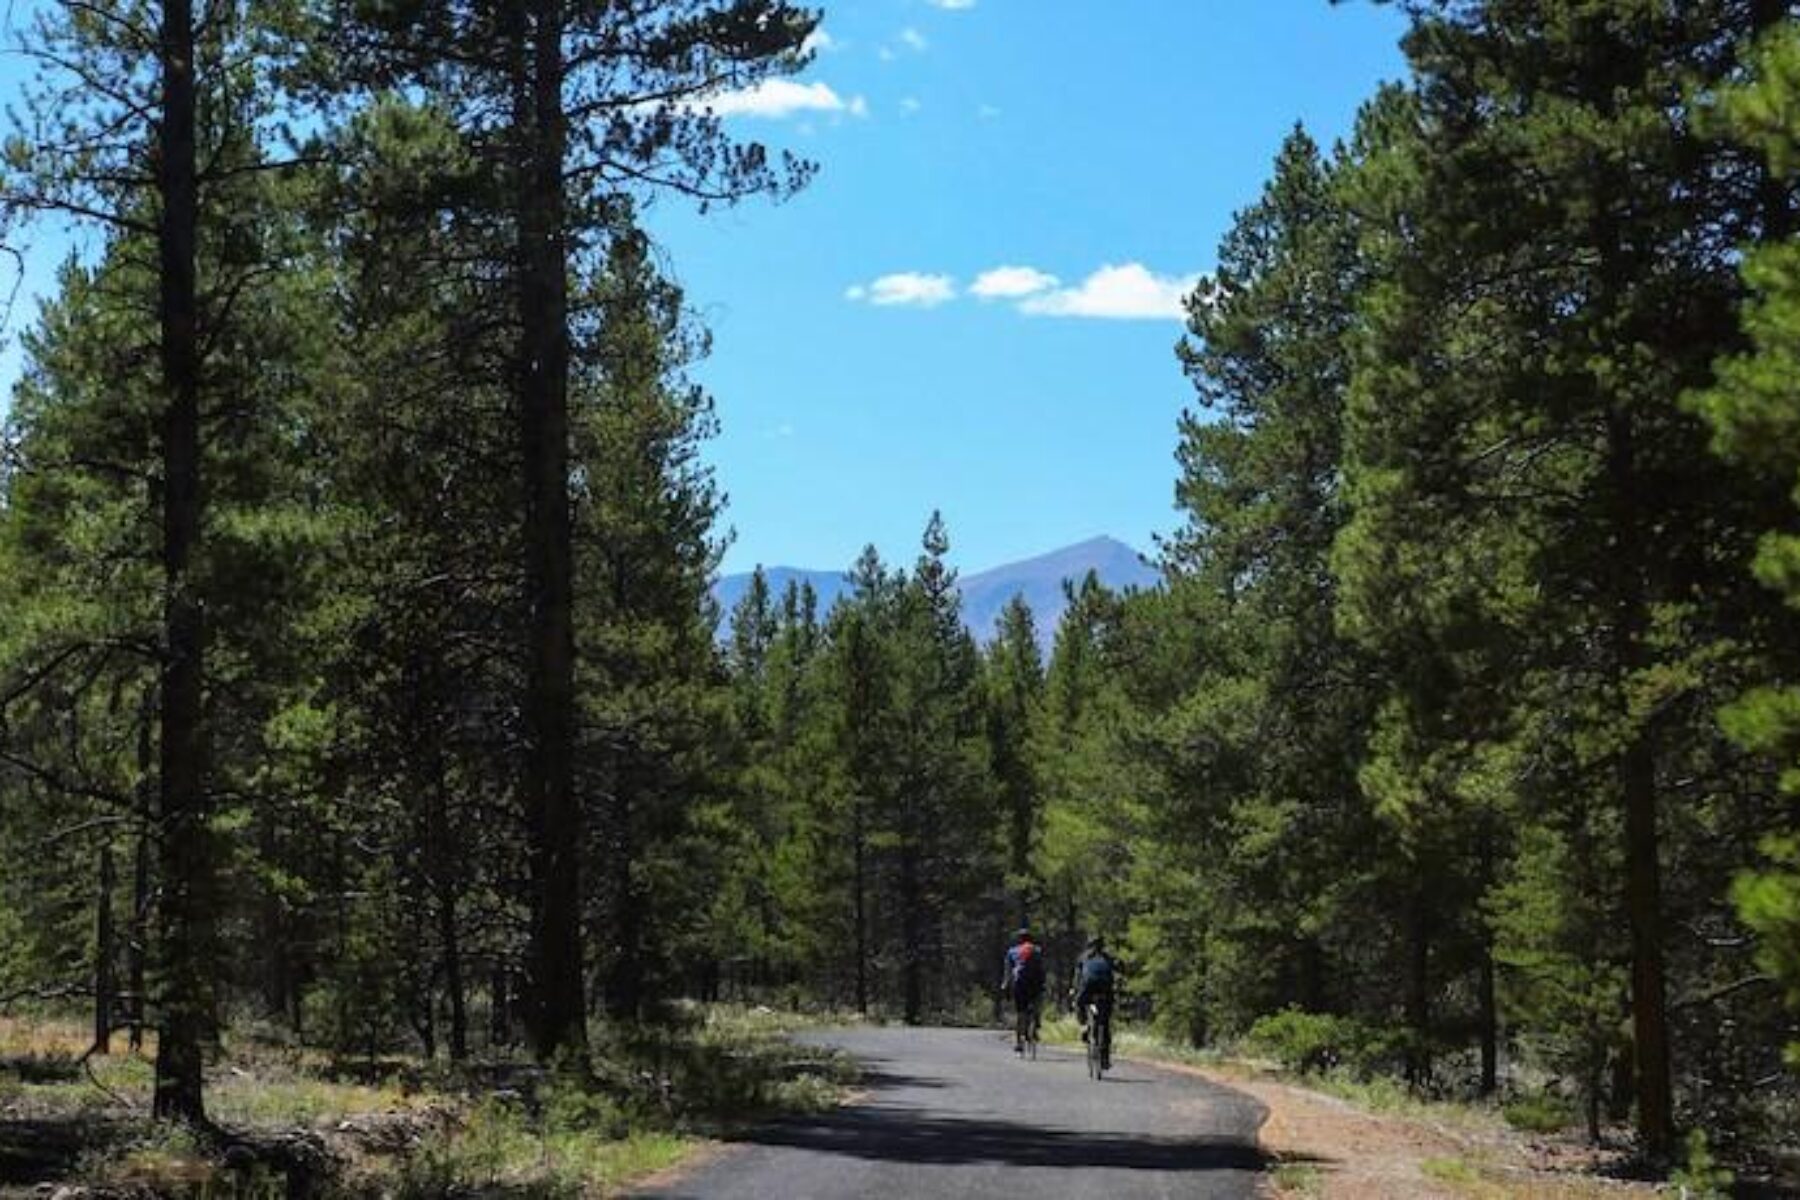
(499,1007)
(185,859)
(625,982)
(911,933)
(1649,1000)
(1637,792)
(138,941)
(105,986)
(1490,1022)
(139,938)
(1418,990)
(861,886)
(444,887)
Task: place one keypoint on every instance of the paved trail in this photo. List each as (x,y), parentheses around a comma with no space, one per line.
(951,1113)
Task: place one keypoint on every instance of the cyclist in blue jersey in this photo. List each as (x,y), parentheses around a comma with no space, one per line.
(1095,986)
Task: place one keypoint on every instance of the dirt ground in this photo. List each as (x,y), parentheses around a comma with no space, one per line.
(1333,1150)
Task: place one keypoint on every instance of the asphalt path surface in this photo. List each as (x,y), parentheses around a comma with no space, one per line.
(952,1113)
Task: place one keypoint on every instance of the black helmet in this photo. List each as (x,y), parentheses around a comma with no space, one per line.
(1097,944)
(1021,934)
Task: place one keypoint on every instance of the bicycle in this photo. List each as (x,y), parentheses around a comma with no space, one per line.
(1028,1029)
(1099,1042)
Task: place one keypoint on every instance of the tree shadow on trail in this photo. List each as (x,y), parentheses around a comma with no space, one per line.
(873,1077)
(892,1136)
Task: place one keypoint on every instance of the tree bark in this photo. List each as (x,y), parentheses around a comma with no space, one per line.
(1637,792)
(553,817)
(911,933)
(185,858)
(1418,990)
(1649,999)
(499,1007)
(138,941)
(1490,1022)
(105,987)
(140,932)
(859,838)
(444,881)
(625,985)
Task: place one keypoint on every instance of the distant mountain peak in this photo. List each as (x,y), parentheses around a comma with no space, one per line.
(985,593)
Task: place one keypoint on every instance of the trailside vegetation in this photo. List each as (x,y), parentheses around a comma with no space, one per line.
(361,682)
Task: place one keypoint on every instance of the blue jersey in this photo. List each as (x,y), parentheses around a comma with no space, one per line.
(1095,977)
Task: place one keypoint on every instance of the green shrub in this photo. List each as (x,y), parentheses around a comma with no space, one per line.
(1700,1177)
(1539,1112)
(1314,1043)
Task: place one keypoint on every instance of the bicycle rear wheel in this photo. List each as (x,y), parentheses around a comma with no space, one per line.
(1094,1055)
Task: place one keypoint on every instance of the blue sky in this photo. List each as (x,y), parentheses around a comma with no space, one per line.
(860,379)
(955,138)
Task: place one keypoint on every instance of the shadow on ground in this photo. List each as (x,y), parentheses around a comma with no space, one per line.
(900,1137)
(32,1151)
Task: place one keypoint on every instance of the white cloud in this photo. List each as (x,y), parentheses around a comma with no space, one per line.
(886,54)
(1010,283)
(952,5)
(906,288)
(987,112)
(909,105)
(913,39)
(1128,292)
(818,42)
(776,98)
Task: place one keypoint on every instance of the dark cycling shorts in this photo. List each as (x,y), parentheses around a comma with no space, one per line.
(1026,997)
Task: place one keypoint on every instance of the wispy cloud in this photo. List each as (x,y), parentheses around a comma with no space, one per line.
(1120,292)
(987,112)
(952,5)
(1130,291)
(909,105)
(913,40)
(1011,283)
(777,98)
(909,288)
(818,42)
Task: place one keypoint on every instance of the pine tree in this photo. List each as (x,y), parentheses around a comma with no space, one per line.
(570,106)
(1015,691)
(1756,425)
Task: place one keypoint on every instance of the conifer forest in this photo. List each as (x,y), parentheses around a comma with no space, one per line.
(363,689)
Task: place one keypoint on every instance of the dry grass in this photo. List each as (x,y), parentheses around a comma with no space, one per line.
(1338,1138)
(402,1127)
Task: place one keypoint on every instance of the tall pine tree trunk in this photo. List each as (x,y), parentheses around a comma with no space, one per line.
(185,861)
(1488,1014)
(1649,999)
(443,882)
(859,838)
(499,1006)
(105,986)
(625,984)
(276,965)
(138,940)
(1637,789)
(911,933)
(1418,990)
(1490,1020)
(553,817)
